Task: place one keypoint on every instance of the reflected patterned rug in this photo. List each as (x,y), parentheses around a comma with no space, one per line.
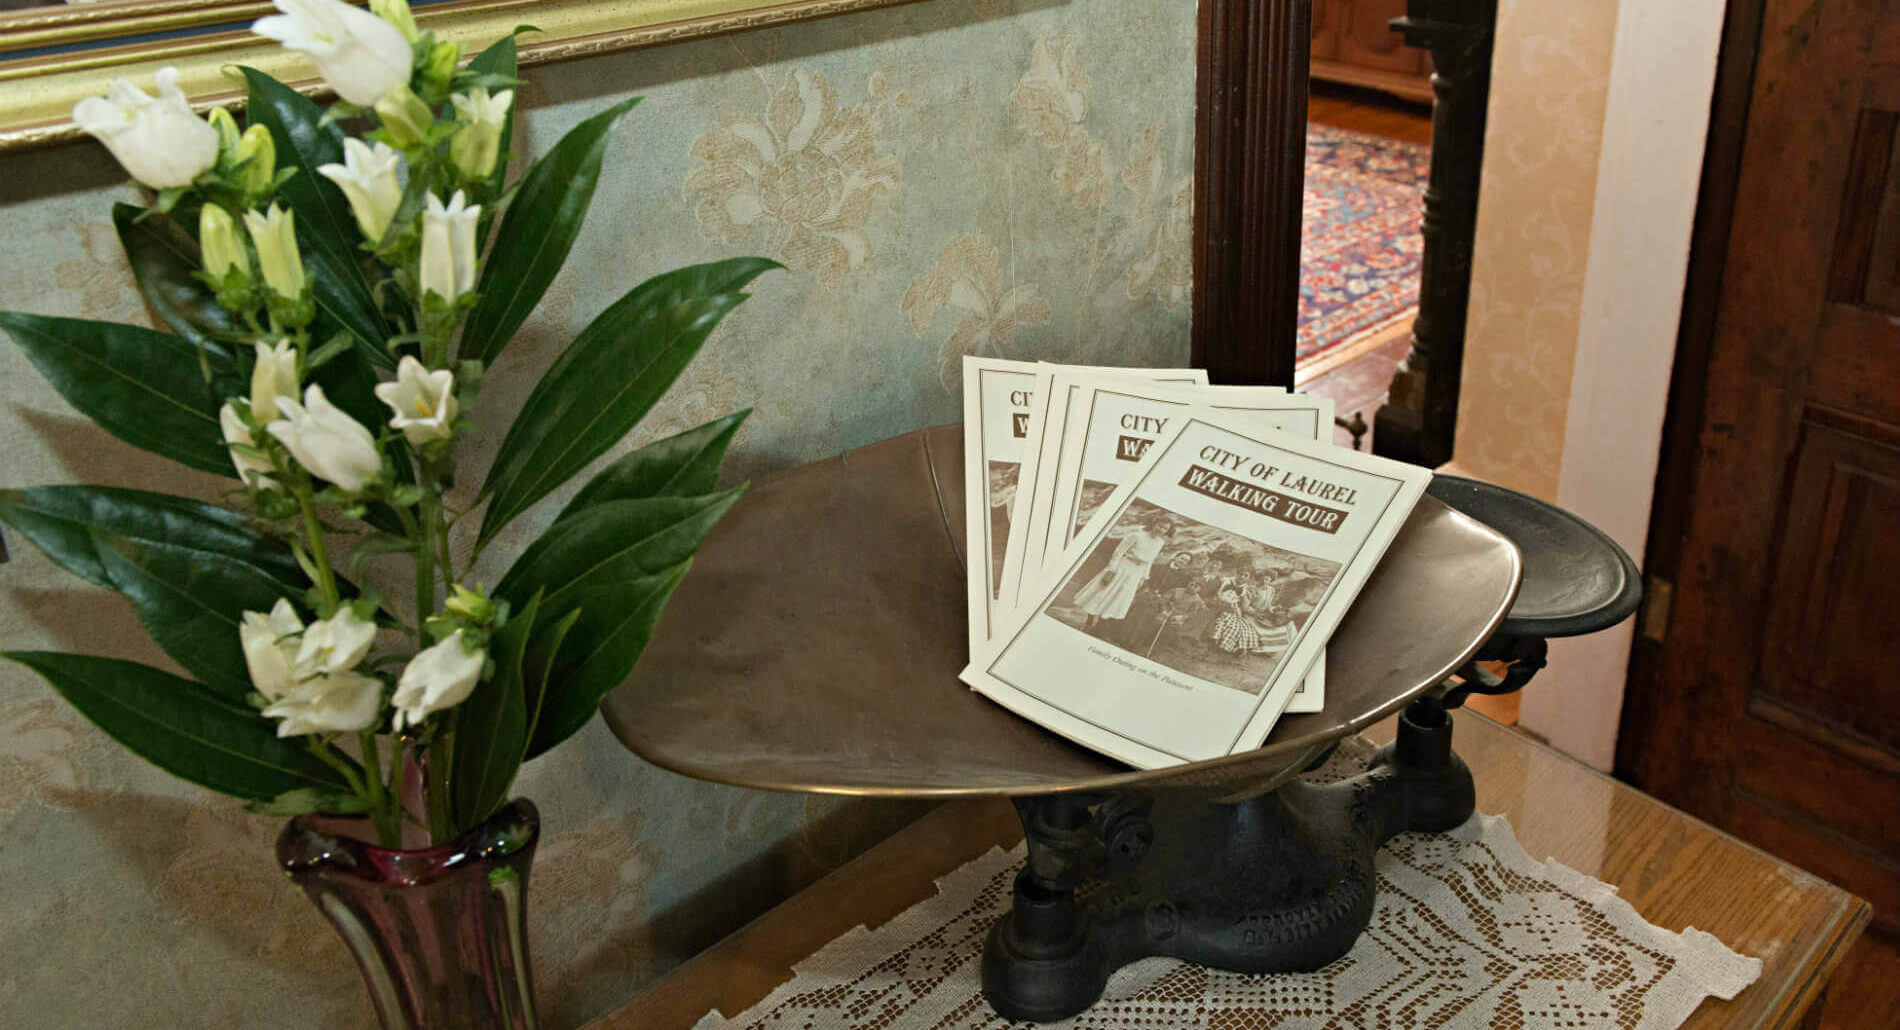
(1359,256)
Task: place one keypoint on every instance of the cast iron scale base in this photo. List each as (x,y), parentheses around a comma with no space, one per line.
(1281,882)
(815,647)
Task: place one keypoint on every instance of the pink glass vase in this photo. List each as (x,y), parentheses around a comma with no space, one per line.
(439,933)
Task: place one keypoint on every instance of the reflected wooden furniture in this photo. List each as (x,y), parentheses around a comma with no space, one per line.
(1677,872)
(1419,419)
(1353,43)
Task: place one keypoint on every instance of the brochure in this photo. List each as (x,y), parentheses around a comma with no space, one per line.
(1298,526)
(1110,427)
(998,396)
(1056,386)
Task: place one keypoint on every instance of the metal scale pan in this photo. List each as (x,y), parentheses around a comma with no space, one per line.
(816,644)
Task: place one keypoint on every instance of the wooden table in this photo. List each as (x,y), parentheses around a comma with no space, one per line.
(1676,871)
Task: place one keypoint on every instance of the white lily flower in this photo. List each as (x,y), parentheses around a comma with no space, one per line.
(357,53)
(421,402)
(269,645)
(334,645)
(274,376)
(477,144)
(255,472)
(340,703)
(368,178)
(327,442)
(158,139)
(436,678)
(448,247)
(274,236)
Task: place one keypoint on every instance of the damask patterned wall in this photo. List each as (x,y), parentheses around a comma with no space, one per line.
(1550,79)
(954,176)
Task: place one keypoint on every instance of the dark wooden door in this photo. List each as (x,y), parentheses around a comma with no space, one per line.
(1765,689)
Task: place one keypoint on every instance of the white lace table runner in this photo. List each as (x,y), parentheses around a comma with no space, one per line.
(1468,931)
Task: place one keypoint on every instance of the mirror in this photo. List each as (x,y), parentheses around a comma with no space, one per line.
(54,53)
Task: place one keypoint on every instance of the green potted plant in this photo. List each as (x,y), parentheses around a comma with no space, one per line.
(336,283)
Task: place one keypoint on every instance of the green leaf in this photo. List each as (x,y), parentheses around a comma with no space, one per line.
(191,570)
(598,657)
(616,563)
(608,379)
(543,649)
(491,726)
(163,257)
(183,728)
(61,520)
(684,465)
(535,235)
(326,231)
(192,603)
(144,387)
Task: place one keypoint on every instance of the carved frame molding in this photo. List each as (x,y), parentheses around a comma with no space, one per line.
(38,90)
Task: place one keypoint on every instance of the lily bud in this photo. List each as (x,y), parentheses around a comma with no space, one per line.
(406,118)
(437,678)
(369,181)
(158,139)
(269,643)
(257,153)
(218,239)
(255,472)
(472,605)
(360,55)
(327,442)
(397,13)
(274,235)
(477,144)
(227,127)
(448,247)
(422,402)
(274,376)
(439,69)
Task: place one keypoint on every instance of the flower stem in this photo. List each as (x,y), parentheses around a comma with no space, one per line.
(326,754)
(425,569)
(388,828)
(440,755)
(319,551)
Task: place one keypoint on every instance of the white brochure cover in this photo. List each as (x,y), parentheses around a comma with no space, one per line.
(1110,427)
(997,394)
(998,408)
(1056,386)
(1311,520)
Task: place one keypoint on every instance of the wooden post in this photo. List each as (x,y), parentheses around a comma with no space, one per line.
(1418,421)
(1249,185)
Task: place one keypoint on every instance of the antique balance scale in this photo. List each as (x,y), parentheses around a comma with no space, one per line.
(816,647)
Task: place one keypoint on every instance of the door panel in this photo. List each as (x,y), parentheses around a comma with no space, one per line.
(1771,705)
(1833,588)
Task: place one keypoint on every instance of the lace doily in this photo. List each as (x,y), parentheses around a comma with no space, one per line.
(1468,931)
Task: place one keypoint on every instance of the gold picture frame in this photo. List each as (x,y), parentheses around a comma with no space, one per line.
(52,57)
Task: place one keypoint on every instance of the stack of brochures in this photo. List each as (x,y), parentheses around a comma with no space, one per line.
(1156,564)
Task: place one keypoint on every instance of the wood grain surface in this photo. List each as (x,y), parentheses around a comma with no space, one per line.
(1677,871)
